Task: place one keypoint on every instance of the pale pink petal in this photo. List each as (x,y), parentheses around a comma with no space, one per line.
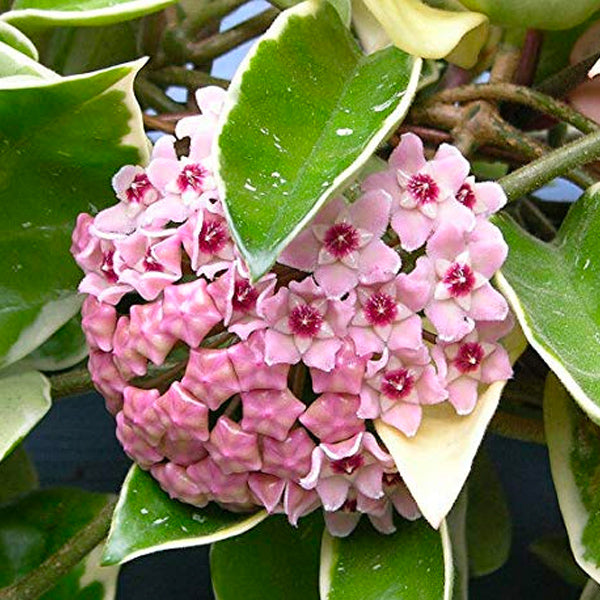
(333,491)
(341,523)
(496,367)
(449,320)
(412,227)
(463,394)
(280,348)
(377,262)
(487,304)
(336,279)
(404,417)
(371,212)
(368,481)
(408,156)
(406,334)
(321,354)
(415,288)
(267,488)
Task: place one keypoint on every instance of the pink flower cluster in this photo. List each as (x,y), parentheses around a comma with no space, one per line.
(264,393)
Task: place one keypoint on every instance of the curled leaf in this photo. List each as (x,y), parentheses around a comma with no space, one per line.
(421,30)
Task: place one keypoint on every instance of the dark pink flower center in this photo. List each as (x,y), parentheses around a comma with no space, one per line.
(380,309)
(347,465)
(151,264)
(459,279)
(244,296)
(191,178)
(469,357)
(213,236)
(466,196)
(138,188)
(349,506)
(305,320)
(391,478)
(341,239)
(397,384)
(107,267)
(423,188)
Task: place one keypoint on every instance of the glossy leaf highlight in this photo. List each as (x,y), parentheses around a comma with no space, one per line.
(146,520)
(305,110)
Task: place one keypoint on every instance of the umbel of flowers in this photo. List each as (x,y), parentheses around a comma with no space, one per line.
(268,390)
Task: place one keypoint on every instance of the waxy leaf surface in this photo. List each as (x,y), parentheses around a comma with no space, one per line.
(24,400)
(574,448)
(17,475)
(305,110)
(553,290)
(37,527)
(146,520)
(32,15)
(58,162)
(414,563)
(488,520)
(274,560)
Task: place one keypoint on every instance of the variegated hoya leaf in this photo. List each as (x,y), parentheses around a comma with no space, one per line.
(280,158)
(58,168)
(146,520)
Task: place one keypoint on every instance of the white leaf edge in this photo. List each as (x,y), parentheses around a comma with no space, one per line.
(304,9)
(223,534)
(113,13)
(436,462)
(558,418)
(28,383)
(27,47)
(55,314)
(555,364)
(328,562)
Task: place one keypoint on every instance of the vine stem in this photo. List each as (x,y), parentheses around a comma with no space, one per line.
(71,382)
(552,165)
(34,584)
(522,95)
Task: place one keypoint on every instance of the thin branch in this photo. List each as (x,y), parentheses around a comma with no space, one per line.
(203,13)
(522,95)
(189,78)
(554,164)
(151,95)
(218,44)
(37,582)
(158,124)
(69,383)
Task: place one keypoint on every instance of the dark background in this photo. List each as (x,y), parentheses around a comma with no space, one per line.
(75,445)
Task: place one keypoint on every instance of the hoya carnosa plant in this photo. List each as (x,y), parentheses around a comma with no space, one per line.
(379,307)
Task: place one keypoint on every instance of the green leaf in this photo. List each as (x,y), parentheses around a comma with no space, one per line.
(87,581)
(17,475)
(24,400)
(18,40)
(591,591)
(553,290)
(32,15)
(415,563)
(457,530)
(58,161)
(488,520)
(14,63)
(48,527)
(72,50)
(146,520)
(62,350)
(305,110)
(574,448)
(554,552)
(436,462)
(537,14)
(274,560)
